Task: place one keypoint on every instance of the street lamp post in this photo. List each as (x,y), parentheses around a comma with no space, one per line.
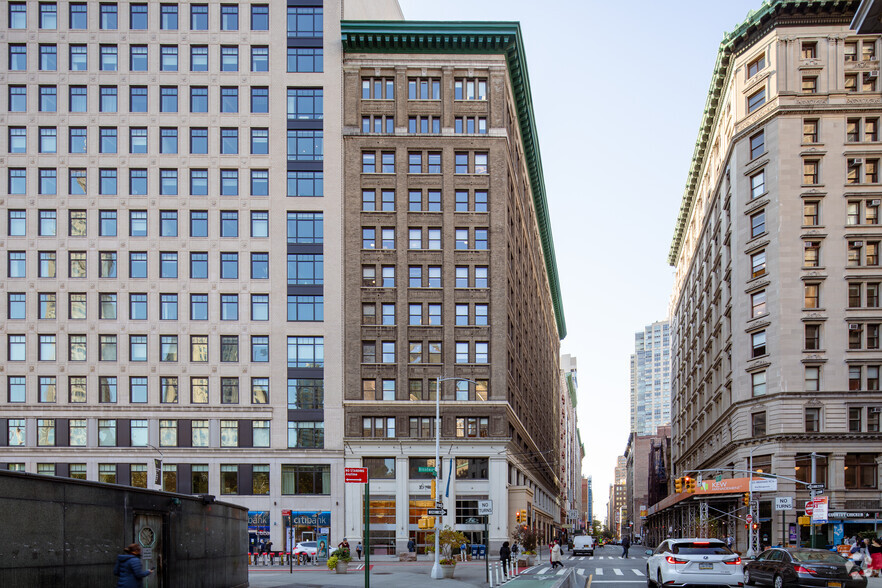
(437,574)
(750,531)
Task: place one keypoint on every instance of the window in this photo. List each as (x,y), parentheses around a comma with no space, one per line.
(48,99)
(48,58)
(17,389)
(812,253)
(758,303)
(812,420)
(812,295)
(758,184)
(758,424)
(229,265)
(229,17)
(758,387)
(259,266)
(107,433)
(229,182)
(812,337)
(108,58)
(229,143)
(76,306)
(168,99)
(810,130)
(138,306)
(18,15)
(138,99)
(168,17)
(809,84)
(305,59)
(305,21)
(860,470)
(229,307)
(18,99)
(810,213)
(259,99)
(18,57)
(198,17)
(229,58)
(168,307)
(17,306)
(46,267)
(472,427)
(755,100)
(259,17)
(758,264)
(757,144)
(168,58)
(756,66)
(758,224)
(199,61)
(106,306)
(138,16)
(48,15)
(470,89)
(106,347)
(810,171)
(259,141)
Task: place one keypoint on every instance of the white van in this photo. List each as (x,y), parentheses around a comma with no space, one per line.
(583,545)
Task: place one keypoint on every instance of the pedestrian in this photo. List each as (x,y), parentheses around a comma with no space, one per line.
(358,550)
(555,555)
(626,543)
(344,545)
(411,545)
(875,551)
(128,567)
(729,541)
(269,551)
(505,557)
(514,551)
(463,549)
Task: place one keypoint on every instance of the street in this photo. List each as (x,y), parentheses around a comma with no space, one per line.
(606,569)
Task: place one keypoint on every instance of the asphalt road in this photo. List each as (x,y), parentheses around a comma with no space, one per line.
(606,568)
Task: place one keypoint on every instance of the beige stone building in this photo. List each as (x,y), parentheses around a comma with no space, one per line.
(187,251)
(775,310)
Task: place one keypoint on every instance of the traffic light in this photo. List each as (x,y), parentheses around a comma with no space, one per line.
(518,516)
(423,523)
(755,526)
(689,484)
(745,499)
(678,485)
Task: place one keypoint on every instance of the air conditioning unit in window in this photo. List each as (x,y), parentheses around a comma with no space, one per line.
(854,326)
(874,58)
(874,409)
(856,161)
(857,243)
(875,202)
(872,74)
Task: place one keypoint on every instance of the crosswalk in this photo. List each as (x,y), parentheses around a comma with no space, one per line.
(599,557)
(546,569)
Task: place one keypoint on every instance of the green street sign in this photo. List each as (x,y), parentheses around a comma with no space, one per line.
(719,478)
(426,470)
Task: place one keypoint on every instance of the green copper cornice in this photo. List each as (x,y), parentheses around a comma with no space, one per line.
(770,14)
(474,37)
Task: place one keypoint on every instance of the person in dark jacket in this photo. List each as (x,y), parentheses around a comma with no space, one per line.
(626,543)
(128,568)
(505,556)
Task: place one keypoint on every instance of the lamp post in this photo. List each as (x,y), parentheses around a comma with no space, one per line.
(437,574)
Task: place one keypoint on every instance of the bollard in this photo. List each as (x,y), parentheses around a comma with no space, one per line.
(492,574)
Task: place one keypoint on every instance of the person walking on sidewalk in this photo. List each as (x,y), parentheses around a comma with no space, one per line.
(505,557)
(875,551)
(358,550)
(626,543)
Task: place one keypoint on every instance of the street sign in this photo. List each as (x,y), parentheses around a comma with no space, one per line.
(426,470)
(815,486)
(809,507)
(436,512)
(355,475)
(749,519)
(783,503)
(485,507)
(764,485)
(819,513)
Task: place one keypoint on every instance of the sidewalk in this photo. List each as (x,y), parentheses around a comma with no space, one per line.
(386,572)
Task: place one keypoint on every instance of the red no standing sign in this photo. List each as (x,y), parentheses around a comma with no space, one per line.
(356,475)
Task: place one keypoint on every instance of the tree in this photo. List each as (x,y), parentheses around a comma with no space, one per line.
(448,540)
(526,538)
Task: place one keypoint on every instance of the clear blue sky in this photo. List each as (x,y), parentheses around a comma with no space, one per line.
(618,91)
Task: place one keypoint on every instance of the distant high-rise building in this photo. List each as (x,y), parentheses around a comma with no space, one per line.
(651,379)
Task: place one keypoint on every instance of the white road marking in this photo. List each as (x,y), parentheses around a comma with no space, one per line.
(618,572)
(599,571)
(638,572)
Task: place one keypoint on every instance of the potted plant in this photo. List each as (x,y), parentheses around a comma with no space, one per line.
(448,540)
(526,538)
(339,561)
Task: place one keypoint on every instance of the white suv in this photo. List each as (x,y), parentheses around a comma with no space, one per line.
(686,562)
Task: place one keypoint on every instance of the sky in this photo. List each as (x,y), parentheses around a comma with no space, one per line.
(618,93)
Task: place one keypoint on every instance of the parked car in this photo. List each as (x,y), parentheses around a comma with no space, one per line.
(583,545)
(681,562)
(307,547)
(797,566)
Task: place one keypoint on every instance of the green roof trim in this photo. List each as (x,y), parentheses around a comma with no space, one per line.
(381,36)
(756,19)
(571,388)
